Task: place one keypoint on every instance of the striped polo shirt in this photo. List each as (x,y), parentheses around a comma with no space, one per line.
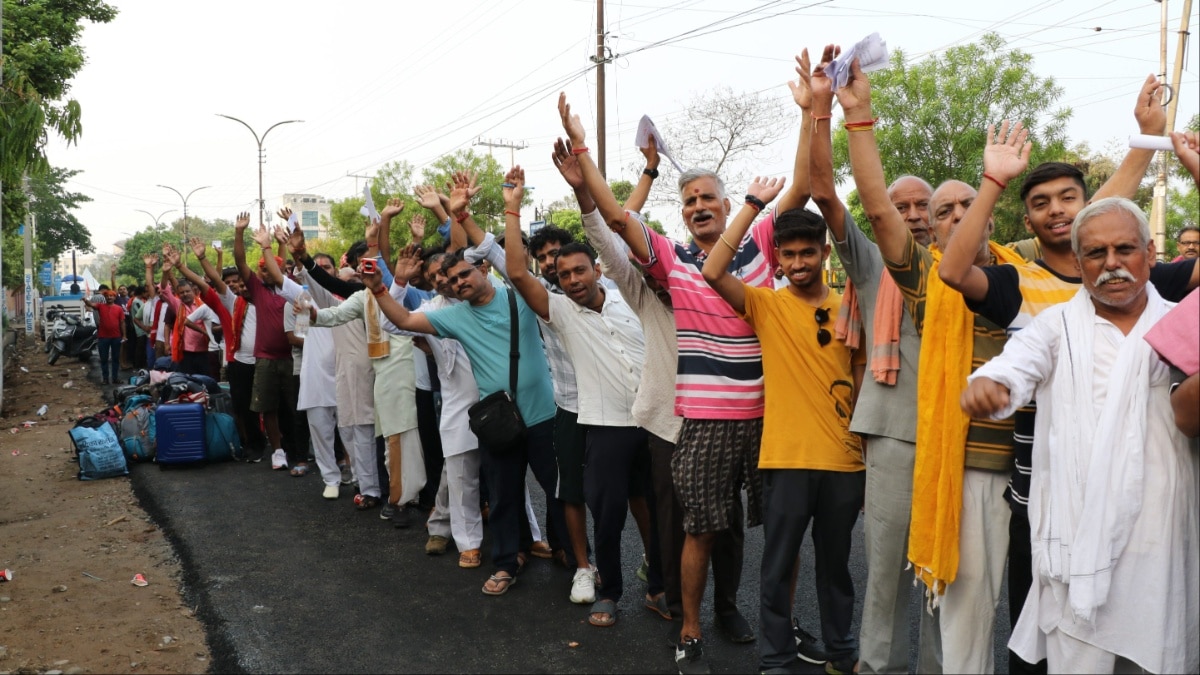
(719,374)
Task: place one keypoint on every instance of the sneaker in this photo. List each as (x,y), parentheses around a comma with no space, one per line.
(643,572)
(347,475)
(254,455)
(807,646)
(331,492)
(846,666)
(387,511)
(735,627)
(278,459)
(689,657)
(403,516)
(436,545)
(583,586)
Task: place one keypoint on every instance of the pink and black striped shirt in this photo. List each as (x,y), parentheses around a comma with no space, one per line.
(719,374)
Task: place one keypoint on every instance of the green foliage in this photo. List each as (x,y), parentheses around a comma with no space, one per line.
(57,229)
(149,240)
(40,57)
(934,114)
(1183,208)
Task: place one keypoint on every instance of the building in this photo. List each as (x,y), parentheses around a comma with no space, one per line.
(313,212)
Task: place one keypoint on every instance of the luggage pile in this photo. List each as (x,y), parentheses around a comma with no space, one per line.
(173,420)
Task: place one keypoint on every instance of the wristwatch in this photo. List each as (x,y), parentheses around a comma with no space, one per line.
(653,173)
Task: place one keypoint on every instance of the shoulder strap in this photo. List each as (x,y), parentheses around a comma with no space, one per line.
(514,353)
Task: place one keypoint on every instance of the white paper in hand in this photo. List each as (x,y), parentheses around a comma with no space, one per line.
(368,208)
(645,131)
(872,54)
(294,221)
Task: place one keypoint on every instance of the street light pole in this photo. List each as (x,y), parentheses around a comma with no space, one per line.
(185,201)
(159,216)
(261,156)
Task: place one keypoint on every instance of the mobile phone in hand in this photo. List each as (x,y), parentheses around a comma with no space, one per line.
(368,266)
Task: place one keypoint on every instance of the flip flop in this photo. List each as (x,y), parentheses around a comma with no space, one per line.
(300,470)
(658,605)
(496,578)
(469,559)
(603,607)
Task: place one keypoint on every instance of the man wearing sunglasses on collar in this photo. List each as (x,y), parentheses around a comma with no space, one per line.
(817,476)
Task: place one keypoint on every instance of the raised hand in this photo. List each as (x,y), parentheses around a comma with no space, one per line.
(281,234)
(408,262)
(417,227)
(650,152)
(262,236)
(242,222)
(513,195)
(372,233)
(571,123)
(171,255)
(1008,156)
(150,259)
(1187,149)
(392,209)
(197,246)
(373,281)
(801,90)
(285,214)
(568,165)
(427,196)
(296,245)
(819,84)
(464,189)
(856,95)
(766,189)
(1149,112)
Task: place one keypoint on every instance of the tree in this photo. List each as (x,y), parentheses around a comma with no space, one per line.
(933,118)
(722,131)
(57,229)
(41,55)
(149,240)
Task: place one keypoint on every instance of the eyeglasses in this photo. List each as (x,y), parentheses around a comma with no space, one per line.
(822,317)
(1189,244)
(461,276)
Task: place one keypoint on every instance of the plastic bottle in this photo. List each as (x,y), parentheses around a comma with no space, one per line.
(303,303)
(43,410)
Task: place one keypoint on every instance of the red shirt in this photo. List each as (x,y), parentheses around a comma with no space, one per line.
(111,318)
(269,339)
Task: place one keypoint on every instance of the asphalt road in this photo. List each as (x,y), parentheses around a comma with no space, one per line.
(286,581)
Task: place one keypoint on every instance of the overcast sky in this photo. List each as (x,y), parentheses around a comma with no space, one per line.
(382,81)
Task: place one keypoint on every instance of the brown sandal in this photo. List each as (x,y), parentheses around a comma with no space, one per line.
(469,559)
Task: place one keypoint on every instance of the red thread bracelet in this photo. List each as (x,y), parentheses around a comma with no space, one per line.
(512,213)
(579,150)
(995,180)
(817,118)
(461,217)
(865,124)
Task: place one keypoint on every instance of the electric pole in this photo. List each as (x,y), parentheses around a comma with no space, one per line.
(600,59)
(1158,211)
(512,146)
(356,176)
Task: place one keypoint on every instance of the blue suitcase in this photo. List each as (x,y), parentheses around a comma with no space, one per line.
(179,428)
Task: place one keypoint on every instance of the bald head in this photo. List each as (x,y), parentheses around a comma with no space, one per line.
(910,195)
(948,205)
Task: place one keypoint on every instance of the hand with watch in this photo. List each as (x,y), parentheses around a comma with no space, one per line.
(650,152)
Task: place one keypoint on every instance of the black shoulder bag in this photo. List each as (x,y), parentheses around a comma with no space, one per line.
(495,419)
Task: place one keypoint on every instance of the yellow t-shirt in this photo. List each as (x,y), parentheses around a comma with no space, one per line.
(806,424)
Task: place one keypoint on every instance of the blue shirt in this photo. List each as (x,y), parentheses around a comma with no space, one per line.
(484,333)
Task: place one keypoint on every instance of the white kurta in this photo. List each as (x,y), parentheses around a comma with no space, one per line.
(1151,613)
(354,379)
(459,391)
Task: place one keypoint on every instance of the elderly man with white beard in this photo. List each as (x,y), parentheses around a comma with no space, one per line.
(1113,503)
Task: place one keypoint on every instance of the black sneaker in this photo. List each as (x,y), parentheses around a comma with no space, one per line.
(689,657)
(735,627)
(807,646)
(841,666)
(387,512)
(403,516)
(254,455)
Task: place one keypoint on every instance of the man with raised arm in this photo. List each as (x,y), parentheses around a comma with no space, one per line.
(603,339)
(959,524)
(719,377)
(885,414)
(1113,497)
(809,384)
(1011,295)
(481,324)
(273,396)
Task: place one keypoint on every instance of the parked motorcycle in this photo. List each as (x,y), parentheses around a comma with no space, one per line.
(74,336)
(55,314)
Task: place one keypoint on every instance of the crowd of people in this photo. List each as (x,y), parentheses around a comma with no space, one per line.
(721,383)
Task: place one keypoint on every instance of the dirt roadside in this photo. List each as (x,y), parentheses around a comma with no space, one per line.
(54,618)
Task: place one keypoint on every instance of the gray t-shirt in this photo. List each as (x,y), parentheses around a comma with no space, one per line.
(881,410)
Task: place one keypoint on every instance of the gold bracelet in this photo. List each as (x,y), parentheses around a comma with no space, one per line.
(723,241)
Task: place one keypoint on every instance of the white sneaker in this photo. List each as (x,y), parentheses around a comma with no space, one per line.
(279,459)
(583,586)
(331,492)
